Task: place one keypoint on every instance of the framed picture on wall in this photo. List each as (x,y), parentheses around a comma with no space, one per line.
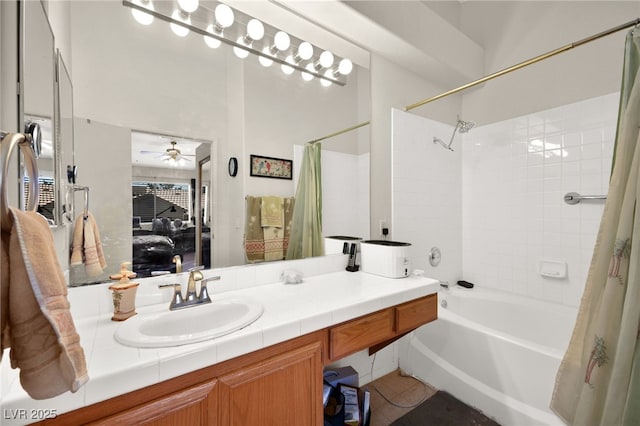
(270,167)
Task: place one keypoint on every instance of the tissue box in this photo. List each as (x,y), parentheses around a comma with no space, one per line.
(343,375)
(385,258)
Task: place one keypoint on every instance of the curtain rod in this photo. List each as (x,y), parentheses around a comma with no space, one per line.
(526,63)
(357,126)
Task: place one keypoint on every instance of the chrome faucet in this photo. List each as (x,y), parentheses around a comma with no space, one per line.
(444,284)
(190,299)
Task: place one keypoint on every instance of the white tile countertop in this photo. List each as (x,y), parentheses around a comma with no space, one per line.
(327,296)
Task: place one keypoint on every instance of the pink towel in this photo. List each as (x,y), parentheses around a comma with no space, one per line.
(44,343)
(86,247)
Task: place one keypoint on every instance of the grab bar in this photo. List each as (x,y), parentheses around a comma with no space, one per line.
(9,141)
(574,198)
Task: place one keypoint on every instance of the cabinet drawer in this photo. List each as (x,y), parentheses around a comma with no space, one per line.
(360,333)
(415,313)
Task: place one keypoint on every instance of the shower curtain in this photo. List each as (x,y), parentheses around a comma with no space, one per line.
(305,239)
(598,382)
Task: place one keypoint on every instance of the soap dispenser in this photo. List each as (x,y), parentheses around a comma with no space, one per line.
(124,293)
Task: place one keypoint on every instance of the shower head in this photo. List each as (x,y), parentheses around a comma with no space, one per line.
(464,126)
(461,127)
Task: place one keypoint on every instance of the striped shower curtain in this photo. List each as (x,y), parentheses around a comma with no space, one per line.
(305,239)
(598,382)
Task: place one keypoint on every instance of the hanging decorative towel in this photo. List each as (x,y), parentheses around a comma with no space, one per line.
(44,343)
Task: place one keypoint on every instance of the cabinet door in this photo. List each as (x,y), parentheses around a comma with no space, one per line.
(195,405)
(285,389)
(352,336)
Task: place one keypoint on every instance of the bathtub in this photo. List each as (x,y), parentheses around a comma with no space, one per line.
(495,351)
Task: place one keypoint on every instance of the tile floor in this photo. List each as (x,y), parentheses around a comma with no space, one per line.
(403,391)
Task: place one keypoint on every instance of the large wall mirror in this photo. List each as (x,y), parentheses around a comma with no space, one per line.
(38,99)
(142,93)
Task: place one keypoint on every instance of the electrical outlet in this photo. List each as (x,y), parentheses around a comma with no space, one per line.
(383,226)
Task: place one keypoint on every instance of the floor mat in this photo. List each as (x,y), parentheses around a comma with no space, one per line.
(442,409)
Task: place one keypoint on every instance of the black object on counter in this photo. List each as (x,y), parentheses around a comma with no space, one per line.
(351,266)
(465,284)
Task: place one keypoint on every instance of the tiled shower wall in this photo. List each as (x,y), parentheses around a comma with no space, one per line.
(497,208)
(515,174)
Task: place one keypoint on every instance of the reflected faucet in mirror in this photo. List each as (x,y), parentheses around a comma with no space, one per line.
(178,261)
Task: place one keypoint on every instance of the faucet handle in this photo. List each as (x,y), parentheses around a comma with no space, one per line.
(204,293)
(177,294)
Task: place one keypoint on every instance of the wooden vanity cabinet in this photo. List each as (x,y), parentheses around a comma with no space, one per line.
(277,385)
(377,330)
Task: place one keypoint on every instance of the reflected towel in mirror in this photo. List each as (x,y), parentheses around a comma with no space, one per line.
(86,246)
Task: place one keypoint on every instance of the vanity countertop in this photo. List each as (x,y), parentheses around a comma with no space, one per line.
(290,310)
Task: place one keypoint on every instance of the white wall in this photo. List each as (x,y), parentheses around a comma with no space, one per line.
(395,87)
(105,152)
(513,188)
(427,193)
(345,192)
(533,28)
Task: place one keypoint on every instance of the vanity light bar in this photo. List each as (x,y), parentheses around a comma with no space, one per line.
(201,18)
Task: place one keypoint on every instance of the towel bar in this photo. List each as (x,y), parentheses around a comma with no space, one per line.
(9,141)
(72,189)
(575,198)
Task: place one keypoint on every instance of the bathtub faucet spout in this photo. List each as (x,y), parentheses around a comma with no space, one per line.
(444,284)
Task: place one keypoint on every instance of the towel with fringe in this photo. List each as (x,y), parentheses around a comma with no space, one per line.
(253,232)
(276,239)
(86,246)
(39,328)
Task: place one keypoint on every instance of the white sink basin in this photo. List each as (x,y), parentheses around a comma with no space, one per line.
(187,325)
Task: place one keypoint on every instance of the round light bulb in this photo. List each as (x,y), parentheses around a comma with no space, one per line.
(255,29)
(345,67)
(307,76)
(282,40)
(188,5)
(224,15)
(264,61)
(305,50)
(140,16)
(239,52)
(326,59)
(326,83)
(286,68)
(179,30)
(213,43)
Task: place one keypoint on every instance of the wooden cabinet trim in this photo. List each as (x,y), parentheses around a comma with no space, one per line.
(415,313)
(203,394)
(360,333)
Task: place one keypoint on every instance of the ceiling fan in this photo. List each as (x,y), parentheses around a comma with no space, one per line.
(171,155)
